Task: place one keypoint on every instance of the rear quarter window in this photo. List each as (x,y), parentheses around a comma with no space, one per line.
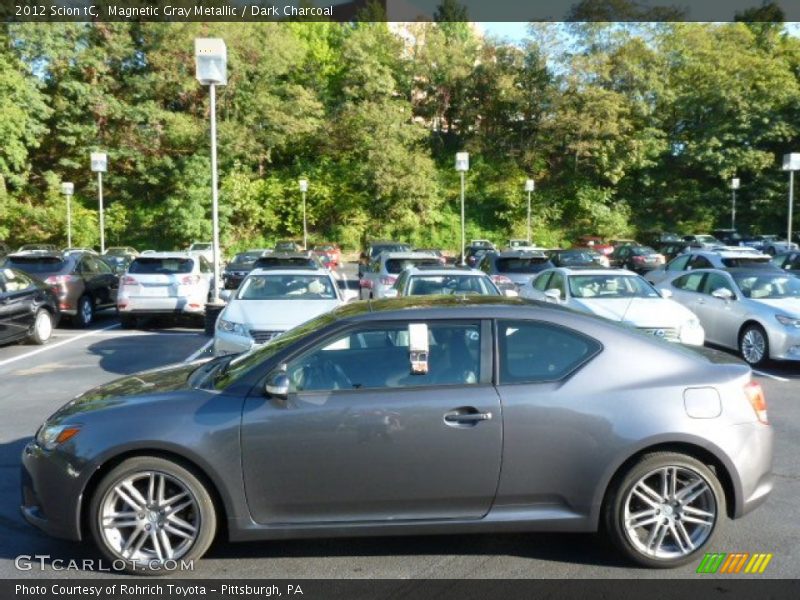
(537,352)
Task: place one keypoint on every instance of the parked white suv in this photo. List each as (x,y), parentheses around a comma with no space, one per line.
(164,283)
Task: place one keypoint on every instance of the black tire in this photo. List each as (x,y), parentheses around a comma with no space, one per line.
(755,330)
(37,335)
(127,322)
(85,312)
(619,490)
(206,512)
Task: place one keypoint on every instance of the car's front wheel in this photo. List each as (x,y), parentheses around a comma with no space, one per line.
(42,328)
(148,512)
(754,345)
(664,509)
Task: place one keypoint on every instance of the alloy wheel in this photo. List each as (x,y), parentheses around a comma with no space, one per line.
(43,325)
(753,346)
(149,516)
(669,513)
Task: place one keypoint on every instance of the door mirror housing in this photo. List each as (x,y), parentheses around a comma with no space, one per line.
(553,294)
(225,295)
(510,293)
(390,293)
(723,293)
(278,385)
(665,293)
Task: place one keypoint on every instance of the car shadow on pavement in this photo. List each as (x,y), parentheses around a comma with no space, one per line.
(125,355)
(574,548)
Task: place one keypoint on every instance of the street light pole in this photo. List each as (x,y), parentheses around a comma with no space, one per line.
(791,163)
(734,186)
(462,166)
(211,69)
(68,188)
(99,162)
(529,186)
(303,184)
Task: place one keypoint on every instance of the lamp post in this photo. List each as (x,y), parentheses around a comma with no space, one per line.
(99,166)
(68,188)
(462,166)
(303,185)
(734,186)
(791,163)
(211,69)
(529,187)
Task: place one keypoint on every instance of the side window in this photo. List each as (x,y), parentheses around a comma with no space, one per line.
(205,266)
(378,358)
(700,262)
(86,267)
(715,281)
(690,282)
(532,351)
(15,282)
(678,264)
(541,281)
(557,283)
(98,266)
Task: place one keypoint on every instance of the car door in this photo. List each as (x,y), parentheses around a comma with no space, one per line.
(687,289)
(17,295)
(721,317)
(360,439)
(106,281)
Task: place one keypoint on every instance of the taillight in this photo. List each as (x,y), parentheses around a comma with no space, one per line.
(127,280)
(60,279)
(638,259)
(190,279)
(365,283)
(388,280)
(757,400)
(501,279)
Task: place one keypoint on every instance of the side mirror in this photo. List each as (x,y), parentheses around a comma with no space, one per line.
(722,293)
(390,293)
(278,385)
(225,295)
(553,294)
(665,293)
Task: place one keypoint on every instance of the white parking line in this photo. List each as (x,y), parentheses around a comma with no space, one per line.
(56,345)
(770,376)
(200,351)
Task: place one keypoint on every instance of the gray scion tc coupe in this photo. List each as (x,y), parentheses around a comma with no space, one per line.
(418,415)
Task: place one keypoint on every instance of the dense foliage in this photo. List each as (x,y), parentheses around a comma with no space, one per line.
(624,128)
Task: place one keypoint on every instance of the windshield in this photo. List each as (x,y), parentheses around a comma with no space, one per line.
(746,261)
(200,247)
(706,239)
(162,266)
(642,251)
(397,265)
(428,285)
(768,287)
(610,286)
(246,258)
(117,251)
(287,287)
(376,250)
(530,264)
(284,262)
(35,264)
(577,258)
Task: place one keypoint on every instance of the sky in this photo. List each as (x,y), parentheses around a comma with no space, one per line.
(512,32)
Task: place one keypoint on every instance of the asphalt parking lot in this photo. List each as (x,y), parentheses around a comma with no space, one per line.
(35,381)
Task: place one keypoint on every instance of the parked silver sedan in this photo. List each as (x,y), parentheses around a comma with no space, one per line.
(756,311)
(418,415)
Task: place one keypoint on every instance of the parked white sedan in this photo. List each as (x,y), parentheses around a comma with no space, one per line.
(618,295)
(271,301)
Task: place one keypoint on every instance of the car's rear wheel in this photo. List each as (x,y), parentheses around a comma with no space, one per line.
(148,512)
(664,509)
(42,328)
(85,313)
(754,345)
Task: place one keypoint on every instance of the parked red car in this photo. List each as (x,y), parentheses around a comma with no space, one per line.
(594,242)
(332,251)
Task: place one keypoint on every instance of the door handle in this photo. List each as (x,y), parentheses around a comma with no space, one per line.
(466,416)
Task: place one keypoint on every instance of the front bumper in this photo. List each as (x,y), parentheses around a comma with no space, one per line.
(51,491)
(784,342)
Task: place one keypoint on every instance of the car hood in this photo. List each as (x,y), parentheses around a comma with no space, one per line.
(640,312)
(120,391)
(787,305)
(275,315)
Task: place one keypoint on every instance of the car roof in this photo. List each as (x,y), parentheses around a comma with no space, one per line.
(400,255)
(590,271)
(439,270)
(520,254)
(291,271)
(36,254)
(165,255)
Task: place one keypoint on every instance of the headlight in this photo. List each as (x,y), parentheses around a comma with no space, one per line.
(788,321)
(231,327)
(50,436)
